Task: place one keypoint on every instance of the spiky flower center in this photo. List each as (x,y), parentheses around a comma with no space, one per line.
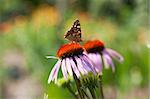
(94,46)
(69,50)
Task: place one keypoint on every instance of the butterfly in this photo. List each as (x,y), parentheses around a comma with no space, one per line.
(74,34)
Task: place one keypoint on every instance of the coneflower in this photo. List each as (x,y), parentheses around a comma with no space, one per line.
(72,60)
(98,53)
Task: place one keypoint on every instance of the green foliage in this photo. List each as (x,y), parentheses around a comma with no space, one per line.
(36,43)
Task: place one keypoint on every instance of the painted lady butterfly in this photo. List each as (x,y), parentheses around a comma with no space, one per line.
(74,34)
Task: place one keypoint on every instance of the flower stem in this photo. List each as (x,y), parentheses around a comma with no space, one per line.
(71,91)
(87,97)
(78,84)
(92,93)
(100,80)
(101,87)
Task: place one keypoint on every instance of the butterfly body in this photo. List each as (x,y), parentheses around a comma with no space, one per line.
(74,34)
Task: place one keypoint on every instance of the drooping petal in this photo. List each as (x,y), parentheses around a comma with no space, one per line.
(115,55)
(54,71)
(90,55)
(64,69)
(53,57)
(93,58)
(85,65)
(75,69)
(69,69)
(80,66)
(98,61)
(88,63)
(57,73)
(105,62)
(108,61)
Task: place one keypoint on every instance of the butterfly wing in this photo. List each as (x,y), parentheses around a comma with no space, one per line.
(74,34)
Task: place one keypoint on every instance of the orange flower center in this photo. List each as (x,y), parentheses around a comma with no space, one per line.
(94,46)
(69,50)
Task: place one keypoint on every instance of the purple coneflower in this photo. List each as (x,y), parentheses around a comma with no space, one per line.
(98,54)
(72,60)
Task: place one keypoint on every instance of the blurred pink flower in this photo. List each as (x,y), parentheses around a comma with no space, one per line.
(96,51)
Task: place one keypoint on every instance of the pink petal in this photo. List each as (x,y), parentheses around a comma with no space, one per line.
(54,71)
(108,61)
(98,62)
(75,69)
(89,63)
(64,69)
(80,66)
(115,55)
(85,64)
(69,67)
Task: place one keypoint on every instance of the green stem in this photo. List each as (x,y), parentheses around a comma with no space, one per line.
(78,84)
(100,81)
(71,91)
(101,87)
(92,93)
(86,94)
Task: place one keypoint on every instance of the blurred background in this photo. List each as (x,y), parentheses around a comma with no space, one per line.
(33,29)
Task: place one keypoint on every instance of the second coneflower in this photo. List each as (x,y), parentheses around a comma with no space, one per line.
(99,54)
(72,60)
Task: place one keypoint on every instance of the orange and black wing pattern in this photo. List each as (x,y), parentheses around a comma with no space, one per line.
(74,34)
